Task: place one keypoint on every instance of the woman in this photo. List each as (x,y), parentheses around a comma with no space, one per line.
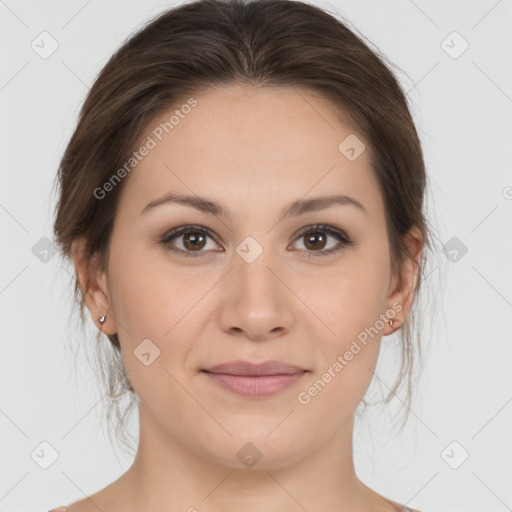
(243,203)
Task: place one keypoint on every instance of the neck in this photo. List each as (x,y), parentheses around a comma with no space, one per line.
(168,475)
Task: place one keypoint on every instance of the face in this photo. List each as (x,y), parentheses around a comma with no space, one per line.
(249,284)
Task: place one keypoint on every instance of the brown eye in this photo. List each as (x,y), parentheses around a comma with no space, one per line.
(316,240)
(193,240)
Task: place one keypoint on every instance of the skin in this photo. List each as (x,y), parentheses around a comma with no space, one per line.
(287,305)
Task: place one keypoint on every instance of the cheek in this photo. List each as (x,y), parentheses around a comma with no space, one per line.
(351,307)
(353,301)
(153,330)
(349,353)
(149,295)
(152,300)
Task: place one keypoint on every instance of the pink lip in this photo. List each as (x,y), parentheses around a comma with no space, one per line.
(255,380)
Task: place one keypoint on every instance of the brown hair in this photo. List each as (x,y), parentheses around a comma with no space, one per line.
(208,43)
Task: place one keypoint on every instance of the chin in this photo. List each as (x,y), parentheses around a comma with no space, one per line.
(255,449)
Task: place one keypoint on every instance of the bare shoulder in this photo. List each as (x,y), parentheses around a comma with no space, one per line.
(111,498)
(79,506)
(89,504)
(85,505)
(399,507)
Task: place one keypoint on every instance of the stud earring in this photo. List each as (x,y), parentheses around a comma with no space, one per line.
(102,319)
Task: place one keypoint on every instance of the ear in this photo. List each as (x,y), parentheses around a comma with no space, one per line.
(401,292)
(93,282)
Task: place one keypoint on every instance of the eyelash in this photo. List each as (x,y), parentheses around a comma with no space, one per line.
(342,237)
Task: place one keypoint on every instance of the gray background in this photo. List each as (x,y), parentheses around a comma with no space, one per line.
(463,108)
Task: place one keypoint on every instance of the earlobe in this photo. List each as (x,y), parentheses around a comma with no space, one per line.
(106,321)
(404,285)
(93,285)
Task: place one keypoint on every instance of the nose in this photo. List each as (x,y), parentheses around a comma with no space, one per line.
(256,301)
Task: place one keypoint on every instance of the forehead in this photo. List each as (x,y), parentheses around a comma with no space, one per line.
(244,145)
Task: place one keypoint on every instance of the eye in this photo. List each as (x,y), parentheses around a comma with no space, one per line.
(315,238)
(194,239)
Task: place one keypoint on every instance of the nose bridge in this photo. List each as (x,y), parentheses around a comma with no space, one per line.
(256,301)
(255,268)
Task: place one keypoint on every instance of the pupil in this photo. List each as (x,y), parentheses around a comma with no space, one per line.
(193,238)
(315,236)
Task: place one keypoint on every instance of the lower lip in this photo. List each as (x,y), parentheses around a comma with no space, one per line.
(255,386)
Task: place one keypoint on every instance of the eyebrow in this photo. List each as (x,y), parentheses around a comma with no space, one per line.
(296,208)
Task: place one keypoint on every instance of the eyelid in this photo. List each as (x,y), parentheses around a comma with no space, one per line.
(179,231)
(329,228)
(344,240)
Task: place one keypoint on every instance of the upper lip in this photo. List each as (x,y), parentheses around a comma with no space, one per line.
(240,367)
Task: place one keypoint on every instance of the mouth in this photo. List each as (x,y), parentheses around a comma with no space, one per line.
(248,368)
(255,380)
